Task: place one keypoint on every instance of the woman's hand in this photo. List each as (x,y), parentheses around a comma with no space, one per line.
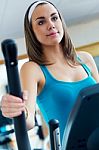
(12,106)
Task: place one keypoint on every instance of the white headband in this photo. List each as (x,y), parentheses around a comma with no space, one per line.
(33,8)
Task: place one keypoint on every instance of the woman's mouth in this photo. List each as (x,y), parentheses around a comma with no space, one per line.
(52,34)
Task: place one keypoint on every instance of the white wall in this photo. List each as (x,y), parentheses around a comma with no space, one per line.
(3,80)
(83,34)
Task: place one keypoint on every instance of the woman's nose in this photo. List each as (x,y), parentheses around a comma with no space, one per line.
(51,25)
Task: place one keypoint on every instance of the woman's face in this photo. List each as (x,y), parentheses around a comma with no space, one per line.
(47,25)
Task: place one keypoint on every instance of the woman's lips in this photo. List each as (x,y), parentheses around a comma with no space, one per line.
(52,34)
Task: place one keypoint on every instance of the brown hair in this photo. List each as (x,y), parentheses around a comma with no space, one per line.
(34,47)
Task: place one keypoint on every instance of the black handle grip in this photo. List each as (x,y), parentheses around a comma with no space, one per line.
(9,50)
(54,134)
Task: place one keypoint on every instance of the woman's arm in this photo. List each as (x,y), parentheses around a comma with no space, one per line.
(29,74)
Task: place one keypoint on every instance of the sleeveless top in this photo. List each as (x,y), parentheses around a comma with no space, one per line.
(58,97)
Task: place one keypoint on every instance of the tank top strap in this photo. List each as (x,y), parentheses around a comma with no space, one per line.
(87,69)
(46,73)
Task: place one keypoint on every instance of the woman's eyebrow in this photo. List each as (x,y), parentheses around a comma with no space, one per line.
(53,14)
(41,17)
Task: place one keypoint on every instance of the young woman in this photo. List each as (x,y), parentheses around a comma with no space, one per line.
(55,72)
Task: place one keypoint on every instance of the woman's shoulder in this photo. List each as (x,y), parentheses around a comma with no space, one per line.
(30,64)
(31,68)
(86,57)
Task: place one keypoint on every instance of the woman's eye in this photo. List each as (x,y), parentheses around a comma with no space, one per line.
(55,18)
(41,22)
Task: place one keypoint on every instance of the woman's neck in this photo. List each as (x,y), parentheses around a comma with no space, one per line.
(53,53)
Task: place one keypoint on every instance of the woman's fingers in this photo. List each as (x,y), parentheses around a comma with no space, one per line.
(12,106)
(11,115)
(10,98)
(12,109)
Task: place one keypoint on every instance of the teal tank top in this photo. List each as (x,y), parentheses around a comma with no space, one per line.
(57,98)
